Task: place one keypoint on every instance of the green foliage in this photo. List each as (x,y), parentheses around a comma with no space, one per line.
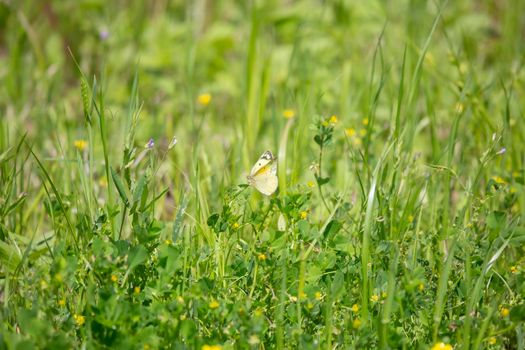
(128,129)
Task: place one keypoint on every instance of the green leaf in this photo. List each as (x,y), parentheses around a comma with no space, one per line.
(120,187)
(517,313)
(137,255)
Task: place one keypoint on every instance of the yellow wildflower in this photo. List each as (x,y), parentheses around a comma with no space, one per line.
(79,319)
(303,215)
(180,300)
(356,323)
(61,302)
(492,340)
(204,99)
(236,225)
(513,269)
(318,295)
(355,308)
(80,144)
(333,119)
(374,298)
(262,257)
(421,287)
(211,347)
(114,278)
(499,180)
(410,218)
(258,312)
(350,132)
(289,113)
(441,346)
(504,312)
(58,277)
(365,121)
(136,290)
(310,184)
(213,304)
(146,347)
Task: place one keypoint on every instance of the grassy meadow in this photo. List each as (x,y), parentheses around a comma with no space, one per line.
(127,130)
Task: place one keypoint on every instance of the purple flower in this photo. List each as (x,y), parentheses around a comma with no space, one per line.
(103,34)
(501,151)
(150,144)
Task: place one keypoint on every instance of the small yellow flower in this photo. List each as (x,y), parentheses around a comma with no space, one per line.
(213,304)
(303,215)
(504,312)
(302,295)
(310,184)
(79,319)
(43,284)
(136,290)
(355,308)
(58,277)
(492,340)
(211,347)
(318,295)
(258,312)
(365,121)
(146,347)
(421,287)
(374,298)
(513,269)
(289,113)
(459,107)
(204,99)
(350,132)
(410,218)
(80,144)
(362,132)
(261,257)
(168,242)
(114,278)
(356,323)
(236,225)
(441,346)
(499,180)
(61,302)
(180,300)
(333,119)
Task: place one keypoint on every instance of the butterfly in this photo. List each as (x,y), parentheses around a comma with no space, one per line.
(263,175)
